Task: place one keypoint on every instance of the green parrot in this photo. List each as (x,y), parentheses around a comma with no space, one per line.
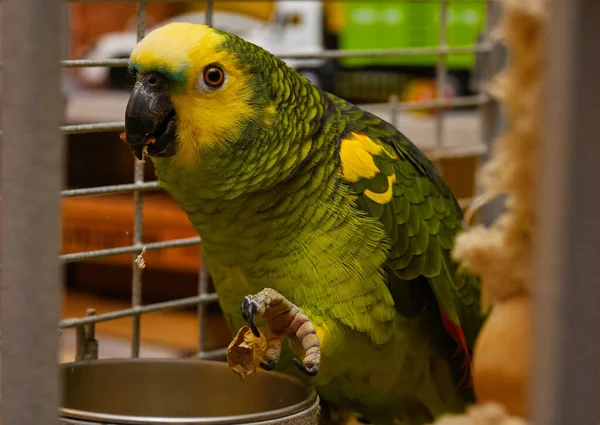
(346,224)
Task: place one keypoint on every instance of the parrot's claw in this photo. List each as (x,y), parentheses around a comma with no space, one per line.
(283,319)
(249,309)
(270,365)
(309,371)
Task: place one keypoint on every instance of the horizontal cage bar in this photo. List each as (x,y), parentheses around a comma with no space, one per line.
(110,190)
(213,354)
(461,101)
(132,249)
(326,54)
(93,128)
(136,311)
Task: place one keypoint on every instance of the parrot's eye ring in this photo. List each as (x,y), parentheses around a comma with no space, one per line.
(213,76)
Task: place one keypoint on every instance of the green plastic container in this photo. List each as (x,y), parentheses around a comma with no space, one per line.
(397,25)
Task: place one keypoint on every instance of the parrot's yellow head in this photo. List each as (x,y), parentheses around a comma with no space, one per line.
(196,89)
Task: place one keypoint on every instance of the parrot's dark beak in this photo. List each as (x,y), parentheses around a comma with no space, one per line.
(150,122)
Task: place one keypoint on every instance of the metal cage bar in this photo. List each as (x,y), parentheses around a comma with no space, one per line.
(401,106)
(441,71)
(493,119)
(111,252)
(326,54)
(138,176)
(567,324)
(203,277)
(32,149)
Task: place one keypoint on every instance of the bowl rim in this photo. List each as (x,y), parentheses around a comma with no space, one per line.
(103,418)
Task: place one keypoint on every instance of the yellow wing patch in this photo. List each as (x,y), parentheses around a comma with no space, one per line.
(356,153)
(385,197)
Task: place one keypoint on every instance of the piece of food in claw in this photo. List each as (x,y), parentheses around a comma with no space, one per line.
(123,137)
(246,352)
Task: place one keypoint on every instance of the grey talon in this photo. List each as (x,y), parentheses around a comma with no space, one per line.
(254,329)
(249,309)
(245,303)
(312,371)
(270,365)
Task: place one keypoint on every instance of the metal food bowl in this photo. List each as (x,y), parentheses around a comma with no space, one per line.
(178,391)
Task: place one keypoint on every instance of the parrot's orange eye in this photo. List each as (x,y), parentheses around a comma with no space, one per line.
(214,76)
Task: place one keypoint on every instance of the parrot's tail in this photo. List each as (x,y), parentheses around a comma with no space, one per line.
(466,381)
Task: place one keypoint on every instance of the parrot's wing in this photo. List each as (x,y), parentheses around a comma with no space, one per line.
(392,180)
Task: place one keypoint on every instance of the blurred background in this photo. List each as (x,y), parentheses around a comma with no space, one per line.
(107,31)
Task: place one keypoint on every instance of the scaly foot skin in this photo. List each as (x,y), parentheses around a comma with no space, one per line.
(283,319)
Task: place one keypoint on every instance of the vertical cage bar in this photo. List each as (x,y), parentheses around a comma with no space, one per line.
(202,308)
(493,121)
(567,325)
(31,169)
(136,284)
(394,110)
(209,13)
(441,71)
(203,277)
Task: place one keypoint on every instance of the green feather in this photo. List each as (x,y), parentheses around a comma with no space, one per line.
(374,208)
(433,225)
(425,209)
(413,269)
(433,263)
(378,184)
(384,165)
(421,241)
(414,221)
(438,204)
(401,242)
(402,207)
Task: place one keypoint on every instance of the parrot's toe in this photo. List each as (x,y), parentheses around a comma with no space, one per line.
(249,309)
(309,371)
(270,365)
(283,319)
